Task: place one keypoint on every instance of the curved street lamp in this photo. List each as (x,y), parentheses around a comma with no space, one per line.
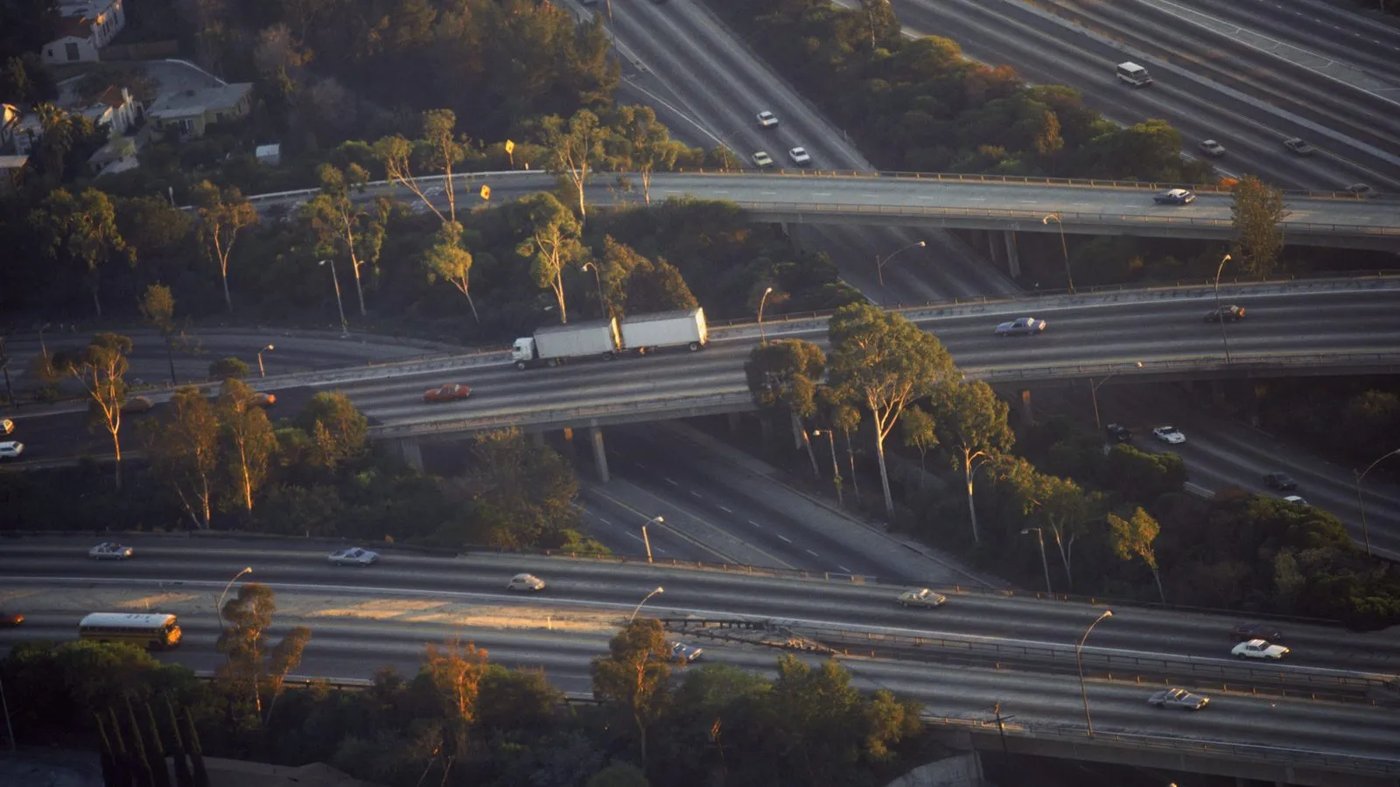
(660,520)
(220,605)
(267,348)
(1218,314)
(1365,533)
(1079,660)
(1055,217)
(763,337)
(1094,393)
(644,600)
(835,466)
(880,265)
(599,280)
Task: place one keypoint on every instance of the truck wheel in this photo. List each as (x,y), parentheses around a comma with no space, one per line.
(694,346)
(553,362)
(520,365)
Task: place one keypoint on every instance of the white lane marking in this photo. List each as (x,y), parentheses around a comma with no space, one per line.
(843,568)
(813,554)
(669,481)
(605,521)
(633,536)
(726,509)
(755,524)
(696,495)
(784,538)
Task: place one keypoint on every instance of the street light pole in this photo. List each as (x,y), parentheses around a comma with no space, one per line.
(261,371)
(1040,539)
(344,326)
(644,600)
(835,467)
(1079,660)
(762,337)
(220,605)
(599,280)
(1218,314)
(660,520)
(1365,533)
(880,265)
(1055,217)
(1094,394)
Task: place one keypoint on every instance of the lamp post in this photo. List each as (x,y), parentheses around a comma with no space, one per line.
(1219,316)
(1040,539)
(660,520)
(762,337)
(262,372)
(835,468)
(880,265)
(1079,660)
(220,607)
(1094,393)
(1366,534)
(44,348)
(644,600)
(599,280)
(1055,217)
(344,326)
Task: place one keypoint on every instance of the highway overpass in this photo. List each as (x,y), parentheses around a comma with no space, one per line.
(978,202)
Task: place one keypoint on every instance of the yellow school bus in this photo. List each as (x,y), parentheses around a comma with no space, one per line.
(153,631)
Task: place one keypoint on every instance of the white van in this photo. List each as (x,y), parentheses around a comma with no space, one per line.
(1134,74)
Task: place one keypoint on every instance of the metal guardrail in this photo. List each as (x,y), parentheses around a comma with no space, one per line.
(1216,749)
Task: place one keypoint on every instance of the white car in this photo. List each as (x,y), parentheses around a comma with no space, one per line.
(1212,148)
(1295,500)
(6,426)
(1021,326)
(111,550)
(11,449)
(922,597)
(762,160)
(1169,434)
(800,157)
(528,583)
(682,653)
(1259,649)
(353,556)
(767,119)
(1178,698)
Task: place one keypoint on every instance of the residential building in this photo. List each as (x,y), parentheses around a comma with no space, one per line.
(189,112)
(84,27)
(11,171)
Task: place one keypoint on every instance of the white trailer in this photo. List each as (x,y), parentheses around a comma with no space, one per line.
(684,328)
(558,343)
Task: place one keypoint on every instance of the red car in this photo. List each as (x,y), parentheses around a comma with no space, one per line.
(447,393)
(11,618)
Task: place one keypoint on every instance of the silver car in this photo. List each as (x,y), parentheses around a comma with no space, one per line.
(682,653)
(353,556)
(1178,698)
(111,550)
(1021,326)
(528,583)
(922,597)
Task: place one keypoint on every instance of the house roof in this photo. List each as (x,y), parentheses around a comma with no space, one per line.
(75,26)
(112,97)
(13,162)
(197,101)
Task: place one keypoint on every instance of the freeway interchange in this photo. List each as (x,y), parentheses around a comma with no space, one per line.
(977,650)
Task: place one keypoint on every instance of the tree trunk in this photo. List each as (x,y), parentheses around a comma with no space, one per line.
(1064,557)
(117,453)
(96,302)
(228,299)
(851,456)
(884,474)
(646,186)
(971,501)
(1157,575)
(472,304)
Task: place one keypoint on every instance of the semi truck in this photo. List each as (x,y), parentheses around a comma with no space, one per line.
(637,334)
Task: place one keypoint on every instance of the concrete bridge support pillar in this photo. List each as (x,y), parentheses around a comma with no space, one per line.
(1013,260)
(734,422)
(1026,411)
(600,454)
(412,453)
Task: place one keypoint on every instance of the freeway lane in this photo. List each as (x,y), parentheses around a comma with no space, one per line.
(385,614)
(176,568)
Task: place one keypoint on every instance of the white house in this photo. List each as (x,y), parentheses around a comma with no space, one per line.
(84,27)
(114,108)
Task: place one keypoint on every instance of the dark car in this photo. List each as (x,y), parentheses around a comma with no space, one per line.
(11,619)
(1232,313)
(1282,482)
(1118,433)
(1247,631)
